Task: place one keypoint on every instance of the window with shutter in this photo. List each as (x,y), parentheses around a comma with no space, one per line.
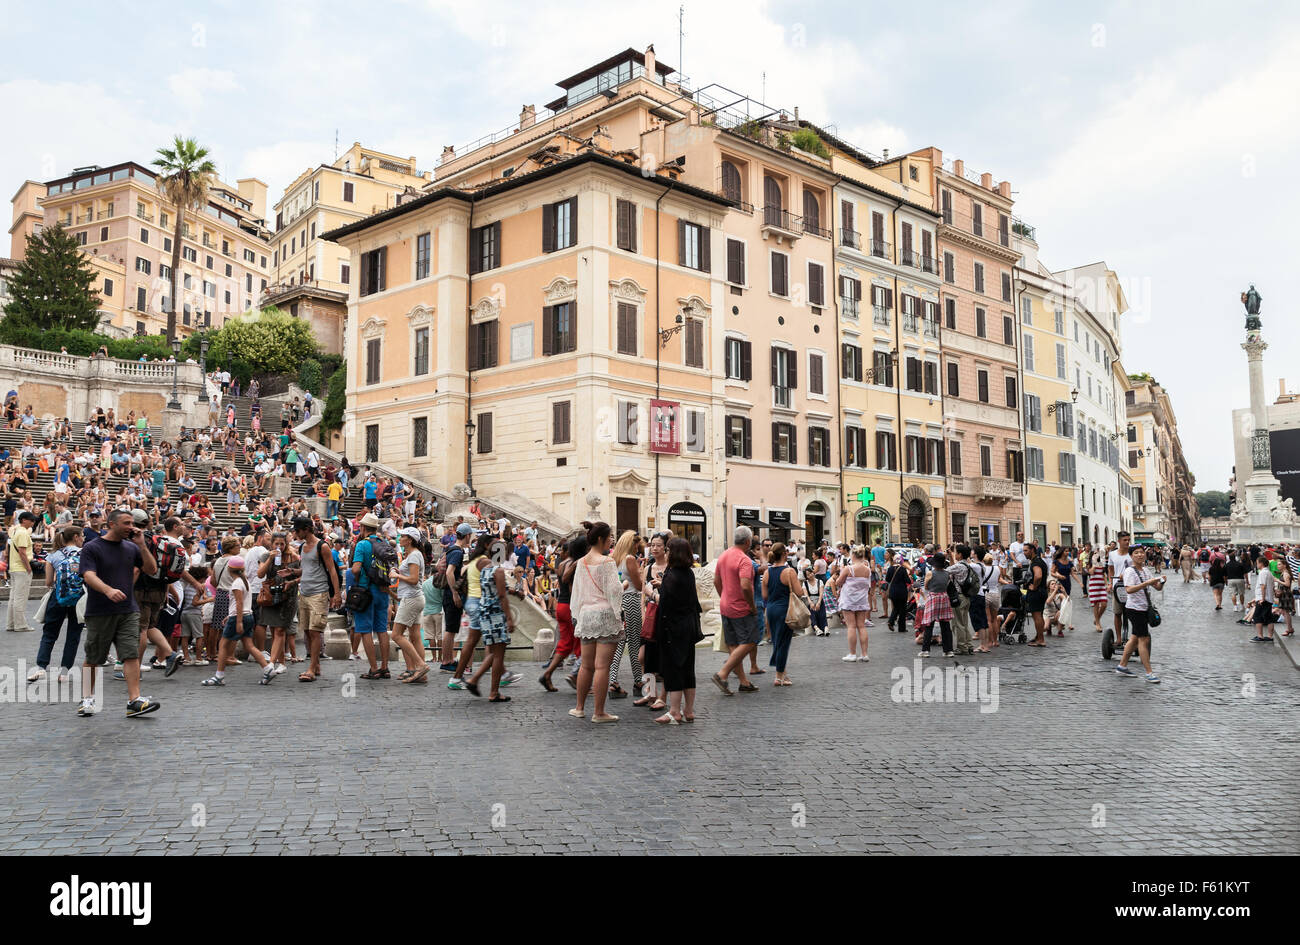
(931,374)
(694,342)
(1060,360)
(913,374)
(627,318)
(1012,400)
(878,245)
(954,458)
(950,314)
(483,430)
(1006,287)
(735,262)
(560,422)
(372,361)
(815,382)
(626,225)
(907,244)
(882,368)
(559,329)
(1008,330)
(979,277)
(731,188)
(982,382)
(952,379)
(771,194)
(627,422)
(780,274)
(348,192)
(816,285)
(848,228)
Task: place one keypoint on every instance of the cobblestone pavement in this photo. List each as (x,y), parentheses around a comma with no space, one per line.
(1198,764)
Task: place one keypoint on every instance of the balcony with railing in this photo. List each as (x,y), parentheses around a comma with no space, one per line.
(143,215)
(930,327)
(782,397)
(84,218)
(880,316)
(813,229)
(910,258)
(850,238)
(781,223)
(849,306)
(1023,229)
(930,264)
(911,323)
(881,249)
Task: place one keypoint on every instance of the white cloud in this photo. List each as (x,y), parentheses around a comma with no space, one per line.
(190,87)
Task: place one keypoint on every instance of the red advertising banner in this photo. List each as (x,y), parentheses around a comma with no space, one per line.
(664,436)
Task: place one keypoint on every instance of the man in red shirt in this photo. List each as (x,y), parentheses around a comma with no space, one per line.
(733,579)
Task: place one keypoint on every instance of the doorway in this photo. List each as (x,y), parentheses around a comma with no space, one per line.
(915,522)
(627,515)
(814,525)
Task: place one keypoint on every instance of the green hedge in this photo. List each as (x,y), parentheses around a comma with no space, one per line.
(309,376)
(335,402)
(84,343)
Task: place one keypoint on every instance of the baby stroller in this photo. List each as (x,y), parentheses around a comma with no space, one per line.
(1012,613)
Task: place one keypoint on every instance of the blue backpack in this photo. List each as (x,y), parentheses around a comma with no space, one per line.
(68,586)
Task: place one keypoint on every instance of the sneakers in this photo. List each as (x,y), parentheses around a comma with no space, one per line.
(1124,671)
(925,654)
(268,674)
(87,708)
(447,667)
(1152,677)
(509,678)
(173,663)
(279,669)
(145,667)
(142,706)
(1261,639)
(851,658)
(36,674)
(455,683)
(864,658)
(118,674)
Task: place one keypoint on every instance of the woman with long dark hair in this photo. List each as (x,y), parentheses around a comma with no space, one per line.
(651,660)
(779,582)
(677,630)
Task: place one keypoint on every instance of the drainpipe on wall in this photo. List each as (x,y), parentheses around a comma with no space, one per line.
(658,345)
(1020,413)
(469,377)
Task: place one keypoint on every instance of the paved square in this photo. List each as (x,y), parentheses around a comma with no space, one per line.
(833,764)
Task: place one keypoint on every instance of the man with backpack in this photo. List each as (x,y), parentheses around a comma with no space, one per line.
(319,591)
(963,587)
(453,583)
(373,560)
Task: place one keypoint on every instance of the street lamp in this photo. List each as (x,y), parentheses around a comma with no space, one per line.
(175,403)
(203,369)
(667,333)
(469,455)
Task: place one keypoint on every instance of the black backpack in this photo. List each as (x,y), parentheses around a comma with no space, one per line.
(383,562)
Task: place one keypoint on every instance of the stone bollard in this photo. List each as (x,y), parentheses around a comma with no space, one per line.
(337,645)
(543,645)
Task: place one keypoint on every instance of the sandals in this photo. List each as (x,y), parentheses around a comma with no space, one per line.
(416,676)
(499,698)
(668,719)
(657,706)
(617,692)
(373,674)
(306,677)
(405,674)
(645,700)
(546,683)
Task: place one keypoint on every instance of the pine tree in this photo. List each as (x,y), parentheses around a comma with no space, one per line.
(53,287)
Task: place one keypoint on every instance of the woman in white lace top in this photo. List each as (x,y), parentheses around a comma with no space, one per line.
(597,607)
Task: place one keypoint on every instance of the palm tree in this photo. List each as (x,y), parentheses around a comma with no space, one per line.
(186,176)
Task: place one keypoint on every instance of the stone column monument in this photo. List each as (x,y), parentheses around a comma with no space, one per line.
(1259,514)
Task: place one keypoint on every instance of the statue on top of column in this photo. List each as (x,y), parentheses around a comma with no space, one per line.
(1251,300)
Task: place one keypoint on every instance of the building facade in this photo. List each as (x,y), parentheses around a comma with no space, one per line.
(1164,502)
(555,335)
(121,219)
(312,275)
(1093,348)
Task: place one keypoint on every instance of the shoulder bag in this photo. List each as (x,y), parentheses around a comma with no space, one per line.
(797,616)
(1153,615)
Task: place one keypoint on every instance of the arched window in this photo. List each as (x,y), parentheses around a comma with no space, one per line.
(812,210)
(915,522)
(771,193)
(730,181)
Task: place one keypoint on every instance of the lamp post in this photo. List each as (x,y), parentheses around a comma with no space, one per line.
(469,455)
(203,369)
(175,403)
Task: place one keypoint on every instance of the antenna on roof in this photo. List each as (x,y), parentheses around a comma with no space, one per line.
(681,32)
(336,144)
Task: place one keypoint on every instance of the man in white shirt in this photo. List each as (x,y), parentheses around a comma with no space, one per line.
(1116,563)
(1017,551)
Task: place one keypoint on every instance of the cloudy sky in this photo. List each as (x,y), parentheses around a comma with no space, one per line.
(1155,136)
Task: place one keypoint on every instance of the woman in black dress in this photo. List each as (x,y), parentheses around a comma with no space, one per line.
(677,630)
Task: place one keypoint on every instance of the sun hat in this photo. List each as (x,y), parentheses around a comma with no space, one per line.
(369,520)
(236,563)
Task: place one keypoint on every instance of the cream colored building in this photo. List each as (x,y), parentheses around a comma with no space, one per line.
(125,227)
(312,275)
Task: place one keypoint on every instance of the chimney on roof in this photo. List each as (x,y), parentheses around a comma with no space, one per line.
(959,167)
(885,154)
(796,113)
(1004,189)
(600,138)
(448,154)
(1281,387)
(986,181)
(650,61)
(527,116)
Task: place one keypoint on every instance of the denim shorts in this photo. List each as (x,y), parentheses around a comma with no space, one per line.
(473,605)
(229,632)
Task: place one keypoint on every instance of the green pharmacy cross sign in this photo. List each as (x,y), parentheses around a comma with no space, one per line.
(865,497)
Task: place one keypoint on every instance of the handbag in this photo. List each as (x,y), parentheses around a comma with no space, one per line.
(648,620)
(1153,615)
(797,616)
(39,616)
